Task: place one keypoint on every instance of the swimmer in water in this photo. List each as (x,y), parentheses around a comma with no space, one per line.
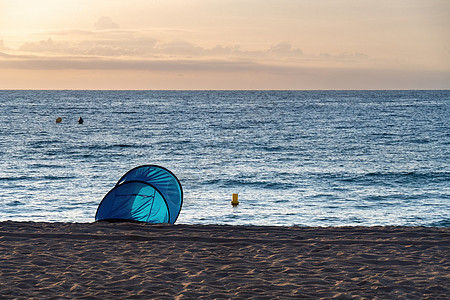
(80,120)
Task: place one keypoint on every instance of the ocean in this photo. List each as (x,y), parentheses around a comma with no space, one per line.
(306,158)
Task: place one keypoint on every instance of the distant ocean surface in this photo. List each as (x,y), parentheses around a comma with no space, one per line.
(306,158)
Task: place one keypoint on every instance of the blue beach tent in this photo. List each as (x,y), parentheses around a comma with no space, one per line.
(147,193)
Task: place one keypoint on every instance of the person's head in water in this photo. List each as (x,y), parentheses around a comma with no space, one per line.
(80,120)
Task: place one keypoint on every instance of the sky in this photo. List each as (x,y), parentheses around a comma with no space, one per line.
(226,44)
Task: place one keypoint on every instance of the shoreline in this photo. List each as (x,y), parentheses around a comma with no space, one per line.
(160,261)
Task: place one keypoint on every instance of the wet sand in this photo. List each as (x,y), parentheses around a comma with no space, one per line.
(143,261)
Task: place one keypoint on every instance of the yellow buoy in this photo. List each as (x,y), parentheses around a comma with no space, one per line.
(58,120)
(235,201)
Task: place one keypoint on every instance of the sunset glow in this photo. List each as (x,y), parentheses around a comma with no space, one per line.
(140,44)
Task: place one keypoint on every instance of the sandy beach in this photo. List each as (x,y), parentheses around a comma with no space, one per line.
(143,261)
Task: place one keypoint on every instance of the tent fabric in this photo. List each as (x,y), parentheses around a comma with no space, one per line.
(146,193)
(134,200)
(163,180)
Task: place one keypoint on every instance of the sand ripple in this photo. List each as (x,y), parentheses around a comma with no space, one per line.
(142,261)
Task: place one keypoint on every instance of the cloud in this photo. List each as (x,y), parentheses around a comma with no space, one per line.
(225,50)
(41,46)
(285,48)
(99,46)
(179,47)
(280,65)
(185,48)
(226,74)
(346,56)
(97,63)
(170,65)
(139,44)
(105,23)
(117,49)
